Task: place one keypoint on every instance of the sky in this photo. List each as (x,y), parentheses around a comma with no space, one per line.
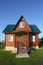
(12,10)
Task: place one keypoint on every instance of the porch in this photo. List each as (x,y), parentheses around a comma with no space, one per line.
(22,41)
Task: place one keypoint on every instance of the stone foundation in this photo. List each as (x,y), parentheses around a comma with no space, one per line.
(36,47)
(14,50)
(11,48)
(32,48)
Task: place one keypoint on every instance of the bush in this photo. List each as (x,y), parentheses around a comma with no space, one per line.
(41,42)
(2,45)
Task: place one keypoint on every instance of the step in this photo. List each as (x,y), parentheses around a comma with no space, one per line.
(22,50)
(22,56)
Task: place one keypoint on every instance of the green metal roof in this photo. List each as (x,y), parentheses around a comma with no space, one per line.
(35,29)
(9,29)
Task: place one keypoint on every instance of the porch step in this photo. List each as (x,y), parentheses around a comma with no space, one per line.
(22,56)
(22,50)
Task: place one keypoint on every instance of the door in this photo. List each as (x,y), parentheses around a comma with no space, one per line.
(21,41)
(21,48)
(21,45)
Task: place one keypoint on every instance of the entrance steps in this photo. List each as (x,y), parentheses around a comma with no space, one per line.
(22,50)
(22,56)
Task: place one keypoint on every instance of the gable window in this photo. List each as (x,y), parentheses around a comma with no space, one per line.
(22,25)
(10,38)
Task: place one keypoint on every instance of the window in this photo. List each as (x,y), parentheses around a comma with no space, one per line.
(21,24)
(33,38)
(10,38)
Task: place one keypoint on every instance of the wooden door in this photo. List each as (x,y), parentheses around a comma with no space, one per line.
(21,48)
(21,43)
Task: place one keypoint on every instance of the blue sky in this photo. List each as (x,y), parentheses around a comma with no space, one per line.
(11,10)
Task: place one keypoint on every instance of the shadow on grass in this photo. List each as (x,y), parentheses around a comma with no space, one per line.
(31,50)
(40,44)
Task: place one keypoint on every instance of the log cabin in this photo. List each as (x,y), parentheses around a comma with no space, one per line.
(22,35)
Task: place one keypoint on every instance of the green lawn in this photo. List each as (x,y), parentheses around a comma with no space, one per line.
(8,58)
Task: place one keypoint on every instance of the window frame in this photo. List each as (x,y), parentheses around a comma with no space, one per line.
(32,38)
(22,24)
(10,38)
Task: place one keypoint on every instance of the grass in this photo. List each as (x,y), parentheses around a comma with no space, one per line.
(8,58)
(36,58)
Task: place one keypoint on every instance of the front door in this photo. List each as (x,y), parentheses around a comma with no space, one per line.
(21,48)
(21,42)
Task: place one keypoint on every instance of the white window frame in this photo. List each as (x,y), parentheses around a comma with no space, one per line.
(33,38)
(21,25)
(10,38)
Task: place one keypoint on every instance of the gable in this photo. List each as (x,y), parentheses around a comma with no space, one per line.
(29,28)
(22,25)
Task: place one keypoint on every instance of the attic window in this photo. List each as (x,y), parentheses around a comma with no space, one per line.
(21,25)
(10,38)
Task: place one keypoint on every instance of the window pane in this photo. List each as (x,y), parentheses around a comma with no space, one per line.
(21,24)
(33,38)
(10,38)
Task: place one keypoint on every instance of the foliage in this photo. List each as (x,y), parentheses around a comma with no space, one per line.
(2,45)
(41,42)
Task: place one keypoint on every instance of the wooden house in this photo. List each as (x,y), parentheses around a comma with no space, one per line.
(22,35)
